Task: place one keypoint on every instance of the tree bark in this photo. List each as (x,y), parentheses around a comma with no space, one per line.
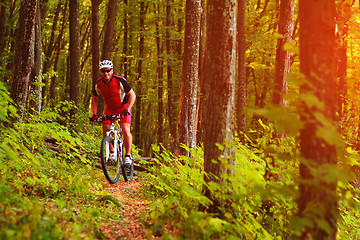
(241,81)
(283,61)
(160,76)
(199,121)
(189,80)
(170,81)
(24,56)
(58,47)
(318,196)
(36,98)
(50,46)
(108,43)
(138,103)
(3,28)
(75,52)
(219,94)
(126,41)
(95,39)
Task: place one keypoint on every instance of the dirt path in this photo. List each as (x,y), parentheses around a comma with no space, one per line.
(130,221)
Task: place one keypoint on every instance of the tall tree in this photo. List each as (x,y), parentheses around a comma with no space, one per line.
(108,42)
(125,63)
(190,76)
(170,81)
(219,93)
(139,93)
(241,81)
(24,55)
(36,76)
(200,107)
(160,76)
(95,39)
(318,195)
(283,61)
(75,52)
(51,45)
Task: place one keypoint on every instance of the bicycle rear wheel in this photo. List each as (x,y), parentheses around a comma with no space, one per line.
(110,167)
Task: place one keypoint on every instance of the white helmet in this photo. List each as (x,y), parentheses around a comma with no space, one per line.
(106,64)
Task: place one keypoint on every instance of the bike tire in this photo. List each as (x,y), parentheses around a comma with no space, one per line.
(111,169)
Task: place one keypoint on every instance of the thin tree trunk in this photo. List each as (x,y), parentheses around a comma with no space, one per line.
(75,52)
(126,41)
(160,75)
(138,103)
(50,46)
(241,82)
(190,78)
(108,43)
(36,79)
(58,47)
(170,81)
(283,61)
(199,121)
(3,28)
(95,39)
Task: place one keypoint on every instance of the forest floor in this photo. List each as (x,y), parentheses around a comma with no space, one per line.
(130,224)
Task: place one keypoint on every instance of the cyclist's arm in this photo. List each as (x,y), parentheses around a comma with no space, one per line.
(132,97)
(95,100)
(94,104)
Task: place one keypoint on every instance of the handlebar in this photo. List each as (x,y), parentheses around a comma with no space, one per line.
(101,119)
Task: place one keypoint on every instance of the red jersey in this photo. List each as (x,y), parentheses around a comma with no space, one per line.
(114,93)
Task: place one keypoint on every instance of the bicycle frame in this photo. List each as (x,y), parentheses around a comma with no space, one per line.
(116,134)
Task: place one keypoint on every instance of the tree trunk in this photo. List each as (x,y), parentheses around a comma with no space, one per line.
(283,61)
(50,46)
(75,52)
(3,27)
(24,56)
(241,81)
(189,80)
(199,121)
(138,103)
(160,76)
(36,97)
(58,47)
(108,43)
(126,42)
(170,81)
(318,196)
(95,40)
(219,94)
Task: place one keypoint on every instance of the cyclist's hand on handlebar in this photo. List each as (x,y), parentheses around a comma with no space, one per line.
(125,113)
(93,118)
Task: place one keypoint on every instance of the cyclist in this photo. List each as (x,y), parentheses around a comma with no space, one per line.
(119,98)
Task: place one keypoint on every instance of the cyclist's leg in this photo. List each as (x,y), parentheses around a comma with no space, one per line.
(105,128)
(127,137)
(125,126)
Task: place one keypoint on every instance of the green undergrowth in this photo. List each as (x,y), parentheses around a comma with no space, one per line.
(49,188)
(260,209)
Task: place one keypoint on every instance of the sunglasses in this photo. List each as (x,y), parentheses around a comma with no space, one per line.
(105,71)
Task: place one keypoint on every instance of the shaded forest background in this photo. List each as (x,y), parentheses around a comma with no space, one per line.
(258,94)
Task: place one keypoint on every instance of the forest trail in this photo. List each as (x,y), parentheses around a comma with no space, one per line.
(130,224)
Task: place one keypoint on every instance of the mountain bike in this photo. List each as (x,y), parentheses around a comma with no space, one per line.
(112,152)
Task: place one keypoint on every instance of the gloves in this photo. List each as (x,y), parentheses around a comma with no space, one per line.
(93,118)
(125,113)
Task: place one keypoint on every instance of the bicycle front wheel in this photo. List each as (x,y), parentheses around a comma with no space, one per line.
(111,167)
